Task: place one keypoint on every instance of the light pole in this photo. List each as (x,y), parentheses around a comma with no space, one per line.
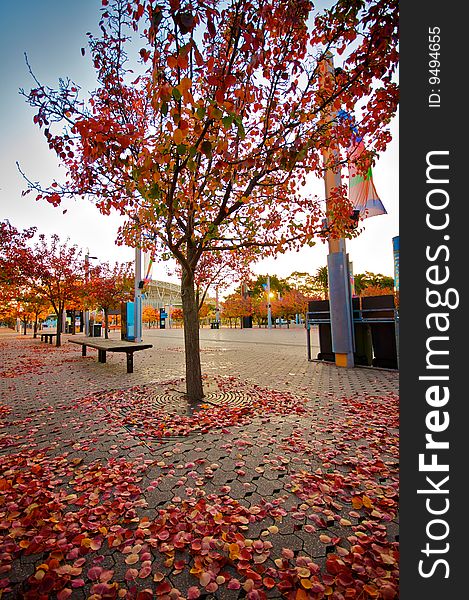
(217,306)
(269,305)
(87,272)
(138,296)
(340,300)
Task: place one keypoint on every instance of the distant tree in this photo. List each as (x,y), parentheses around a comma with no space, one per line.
(322,281)
(204,311)
(36,306)
(259,310)
(150,315)
(220,270)
(258,290)
(305,283)
(375,280)
(293,303)
(108,286)
(23,313)
(235,307)
(8,313)
(177,315)
(57,274)
(377,290)
(16,260)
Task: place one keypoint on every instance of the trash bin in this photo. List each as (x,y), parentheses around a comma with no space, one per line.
(363,354)
(246,322)
(95,330)
(383,332)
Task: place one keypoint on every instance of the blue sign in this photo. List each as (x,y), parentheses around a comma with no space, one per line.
(395,245)
(130,321)
(163,315)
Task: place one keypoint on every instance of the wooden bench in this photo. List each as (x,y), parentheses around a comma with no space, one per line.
(47,337)
(103,346)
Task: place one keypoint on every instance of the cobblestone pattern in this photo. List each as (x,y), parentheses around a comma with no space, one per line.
(42,384)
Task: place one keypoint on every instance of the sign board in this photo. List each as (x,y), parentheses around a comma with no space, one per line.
(395,247)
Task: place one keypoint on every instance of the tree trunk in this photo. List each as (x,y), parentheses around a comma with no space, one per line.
(106,318)
(194,386)
(59,326)
(25,323)
(35,329)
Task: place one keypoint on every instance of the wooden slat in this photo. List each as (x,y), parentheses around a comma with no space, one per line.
(110,345)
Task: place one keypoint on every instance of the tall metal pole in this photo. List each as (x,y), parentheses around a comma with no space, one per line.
(337,260)
(138,296)
(87,312)
(217,306)
(87,274)
(269,305)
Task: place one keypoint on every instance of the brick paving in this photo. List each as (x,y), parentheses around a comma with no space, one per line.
(59,406)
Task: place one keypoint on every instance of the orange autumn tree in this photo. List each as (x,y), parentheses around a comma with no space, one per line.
(108,286)
(293,303)
(236,306)
(150,315)
(202,136)
(16,260)
(56,275)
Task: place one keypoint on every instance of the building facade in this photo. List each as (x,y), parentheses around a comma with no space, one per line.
(162,294)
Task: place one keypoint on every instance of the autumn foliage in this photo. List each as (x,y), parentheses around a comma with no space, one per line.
(205,144)
(108,286)
(150,315)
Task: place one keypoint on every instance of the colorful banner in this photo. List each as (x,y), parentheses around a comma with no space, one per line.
(147,266)
(362,192)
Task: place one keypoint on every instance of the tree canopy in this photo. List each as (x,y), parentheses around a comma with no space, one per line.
(205,144)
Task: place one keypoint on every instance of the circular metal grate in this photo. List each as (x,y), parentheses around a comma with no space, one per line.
(144,406)
(173,401)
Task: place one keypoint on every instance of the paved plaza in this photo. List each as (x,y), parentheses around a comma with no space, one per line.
(282,483)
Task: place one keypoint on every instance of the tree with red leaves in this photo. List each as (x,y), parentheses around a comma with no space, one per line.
(177,315)
(207,145)
(236,306)
(293,303)
(57,275)
(15,260)
(220,270)
(108,286)
(32,307)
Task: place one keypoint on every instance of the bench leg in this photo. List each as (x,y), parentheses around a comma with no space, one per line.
(130,362)
(83,350)
(50,339)
(102,356)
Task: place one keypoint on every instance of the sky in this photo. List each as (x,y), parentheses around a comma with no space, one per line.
(52,33)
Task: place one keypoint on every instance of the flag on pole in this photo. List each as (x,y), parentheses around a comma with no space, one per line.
(147,266)
(362,191)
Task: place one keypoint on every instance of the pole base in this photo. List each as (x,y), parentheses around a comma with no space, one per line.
(344,360)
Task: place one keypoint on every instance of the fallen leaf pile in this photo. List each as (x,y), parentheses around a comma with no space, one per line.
(276,497)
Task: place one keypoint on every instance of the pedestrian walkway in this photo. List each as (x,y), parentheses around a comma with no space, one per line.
(283,483)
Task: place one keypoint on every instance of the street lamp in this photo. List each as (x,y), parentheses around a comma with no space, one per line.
(217,306)
(87,272)
(138,285)
(269,305)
